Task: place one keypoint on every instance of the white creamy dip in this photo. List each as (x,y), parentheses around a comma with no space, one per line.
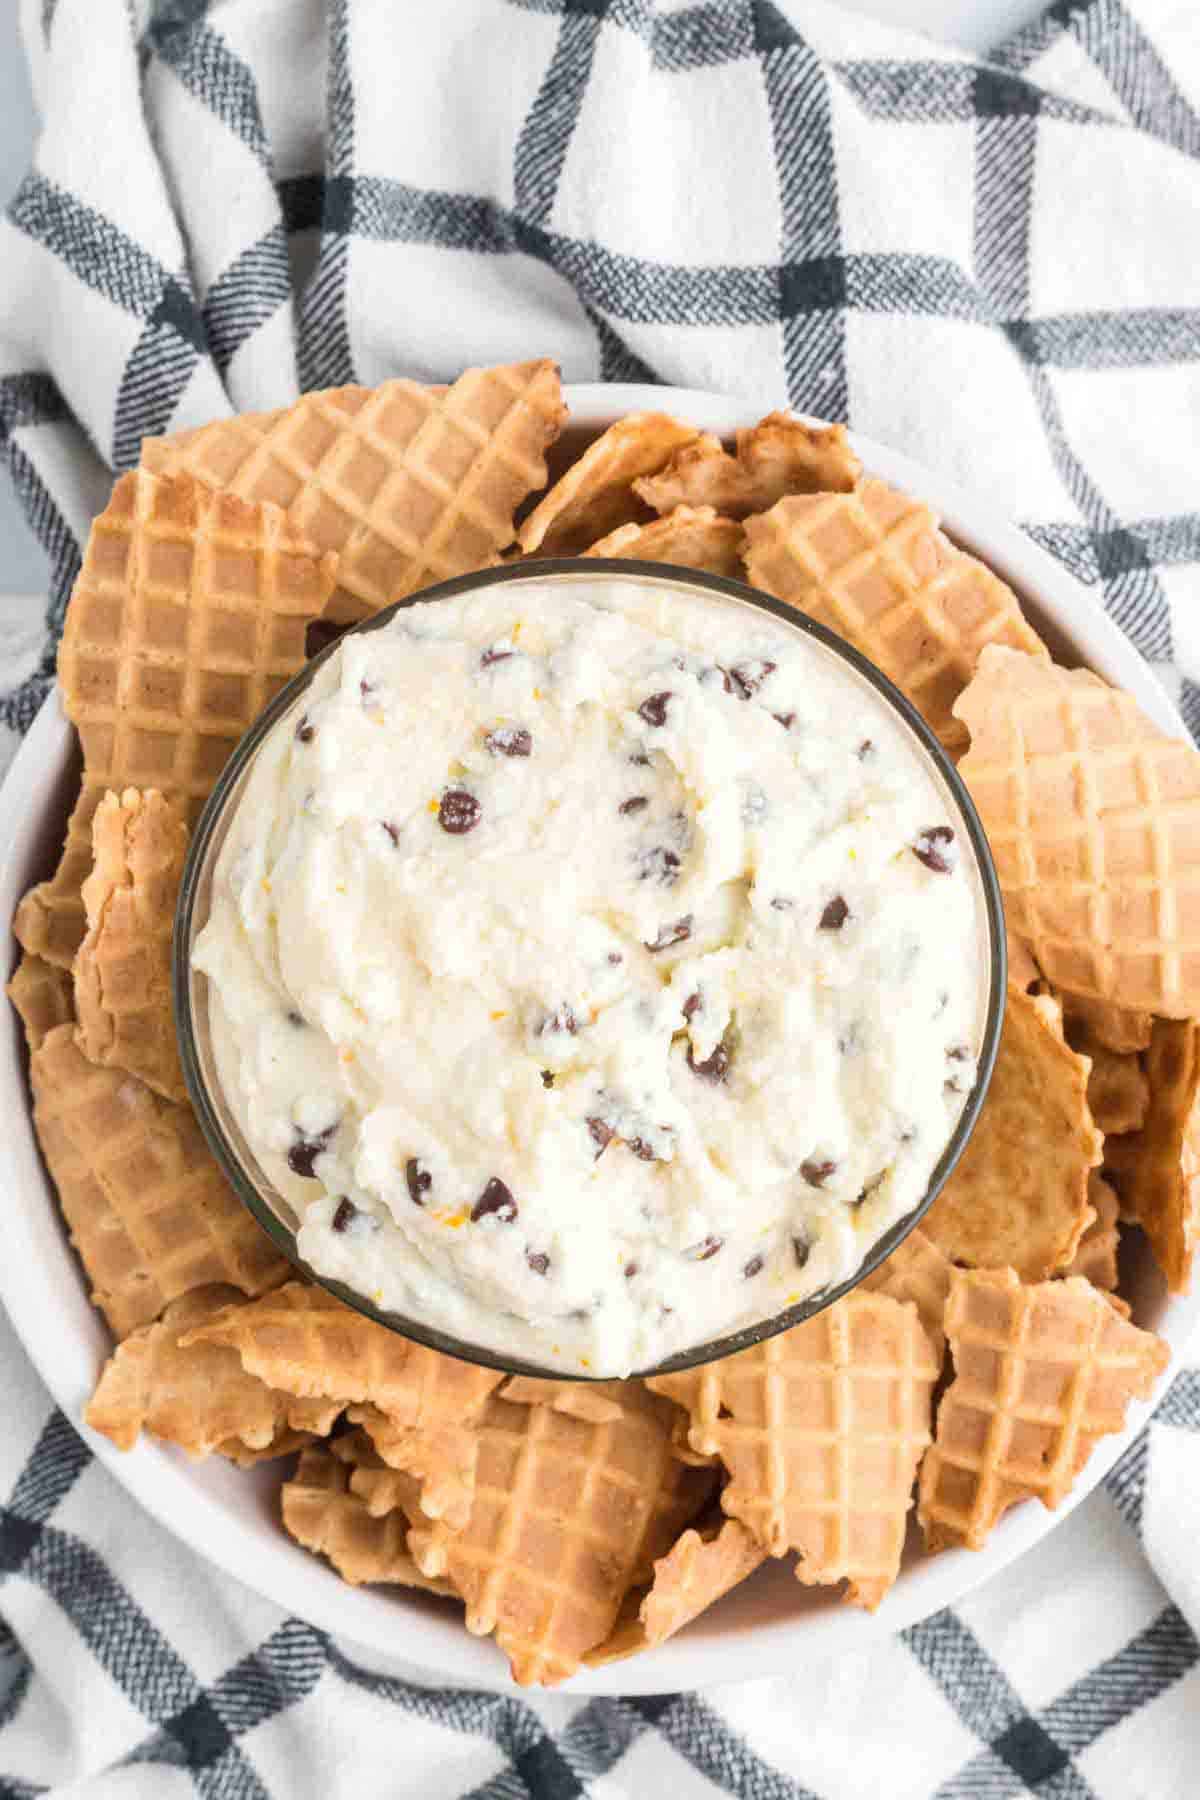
(595,967)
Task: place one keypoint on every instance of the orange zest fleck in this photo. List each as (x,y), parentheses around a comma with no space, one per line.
(498,1015)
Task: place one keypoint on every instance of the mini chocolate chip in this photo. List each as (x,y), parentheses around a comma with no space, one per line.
(937,849)
(631,1270)
(640,759)
(817,1170)
(714,1068)
(654,710)
(615,958)
(419,1181)
(705,1248)
(659,863)
(393,831)
(691,1006)
(319,635)
(509,740)
(459,812)
(305,733)
(294,1018)
(560,1020)
(495,1198)
(305,1151)
(787,720)
(538,1261)
(635,803)
(547,1078)
(366,688)
(781,903)
(753,1267)
(953,1086)
(346,1210)
(865,749)
(959,1053)
(602,1135)
(801,1250)
(672,934)
(496,654)
(642,1150)
(749,676)
(835,914)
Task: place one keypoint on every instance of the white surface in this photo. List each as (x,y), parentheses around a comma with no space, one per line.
(770,1624)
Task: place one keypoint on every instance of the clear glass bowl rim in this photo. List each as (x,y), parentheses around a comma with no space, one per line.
(575,568)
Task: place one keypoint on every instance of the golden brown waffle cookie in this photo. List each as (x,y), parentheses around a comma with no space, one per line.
(199,1398)
(409,484)
(776,457)
(302,1340)
(691,537)
(50,920)
(1041,1374)
(699,1568)
(43,996)
(1118,1092)
(873,566)
(825,1425)
(918,1271)
(1019,1194)
(123,969)
(596,1402)
(439,1459)
(1109,1025)
(1023,972)
(320,1511)
(1093,817)
(1157,1170)
(187,617)
(149,1211)
(596,494)
(567,1517)
(1096,1257)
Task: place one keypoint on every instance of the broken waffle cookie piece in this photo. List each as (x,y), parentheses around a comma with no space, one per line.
(50,921)
(776,457)
(873,566)
(821,1429)
(1019,1193)
(1096,1257)
(1042,1372)
(1093,817)
(198,1397)
(691,537)
(44,997)
(596,494)
(123,969)
(568,1515)
(149,1211)
(321,1512)
(919,1271)
(1157,1170)
(699,1569)
(408,484)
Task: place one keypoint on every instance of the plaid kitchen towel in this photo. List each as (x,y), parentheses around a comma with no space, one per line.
(990,265)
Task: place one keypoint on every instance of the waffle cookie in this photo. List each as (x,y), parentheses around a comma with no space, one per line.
(123,969)
(691,537)
(50,921)
(1096,1257)
(1157,1170)
(438,1460)
(1041,1374)
(821,1429)
(148,1209)
(408,484)
(1114,1027)
(1093,817)
(199,1398)
(321,1512)
(873,566)
(187,617)
(43,996)
(776,457)
(596,494)
(567,1516)
(700,1567)
(1019,1193)
(919,1271)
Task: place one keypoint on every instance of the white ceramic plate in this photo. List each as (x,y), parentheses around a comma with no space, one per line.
(767,1625)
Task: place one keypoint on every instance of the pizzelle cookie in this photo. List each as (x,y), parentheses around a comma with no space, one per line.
(776,457)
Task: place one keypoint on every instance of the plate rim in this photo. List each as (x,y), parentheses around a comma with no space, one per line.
(189,1499)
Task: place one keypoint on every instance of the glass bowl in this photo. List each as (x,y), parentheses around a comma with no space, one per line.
(217,1119)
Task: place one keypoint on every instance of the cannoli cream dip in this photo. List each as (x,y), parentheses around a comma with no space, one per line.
(595,966)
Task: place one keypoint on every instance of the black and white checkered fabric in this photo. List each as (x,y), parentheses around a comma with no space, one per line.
(992,266)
